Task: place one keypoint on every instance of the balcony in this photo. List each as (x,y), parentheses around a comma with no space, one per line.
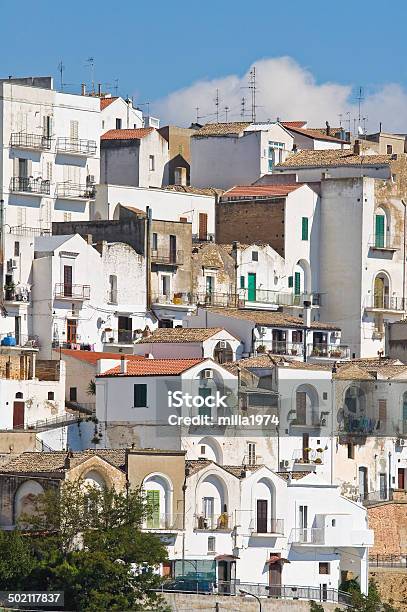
(164,522)
(30,141)
(216,522)
(11,340)
(328,351)
(222,300)
(265,296)
(279,347)
(270,526)
(167,257)
(385,303)
(180,300)
(382,242)
(23,230)
(20,184)
(121,336)
(77,146)
(75,191)
(203,237)
(16,295)
(72,292)
(312,536)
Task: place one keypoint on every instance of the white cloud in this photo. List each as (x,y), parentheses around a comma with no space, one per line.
(286,90)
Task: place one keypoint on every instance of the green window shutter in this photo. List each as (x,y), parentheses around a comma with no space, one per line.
(153,507)
(304,228)
(297,283)
(290,282)
(379,233)
(140,396)
(242,282)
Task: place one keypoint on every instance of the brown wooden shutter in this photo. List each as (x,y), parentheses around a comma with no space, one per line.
(203,226)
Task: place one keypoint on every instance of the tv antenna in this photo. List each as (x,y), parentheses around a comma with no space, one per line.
(340,119)
(360,99)
(253,91)
(242,107)
(217,102)
(116,87)
(61,69)
(91,63)
(197,114)
(227,109)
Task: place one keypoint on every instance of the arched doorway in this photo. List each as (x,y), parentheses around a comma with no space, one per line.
(223,352)
(381,291)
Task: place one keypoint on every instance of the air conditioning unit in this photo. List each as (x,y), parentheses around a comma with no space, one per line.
(262,331)
(90,179)
(284,463)
(222,344)
(336,334)
(208,374)
(400,442)
(12,264)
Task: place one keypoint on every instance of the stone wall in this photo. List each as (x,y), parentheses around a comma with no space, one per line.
(180,602)
(389,523)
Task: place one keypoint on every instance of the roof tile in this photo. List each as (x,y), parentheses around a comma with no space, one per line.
(259,191)
(331,157)
(92,357)
(105,102)
(154,367)
(54,461)
(185,334)
(270,317)
(135,134)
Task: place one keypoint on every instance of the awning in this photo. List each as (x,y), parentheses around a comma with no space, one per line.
(276,559)
(226,558)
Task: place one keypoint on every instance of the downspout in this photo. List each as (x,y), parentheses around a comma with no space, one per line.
(404,257)
(148,257)
(184,488)
(2,252)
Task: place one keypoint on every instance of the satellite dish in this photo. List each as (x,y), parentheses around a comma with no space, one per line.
(360,131)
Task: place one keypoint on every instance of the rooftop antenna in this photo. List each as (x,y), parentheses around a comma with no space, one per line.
(61,69)
(360,100)
(116,87)
(253,89)
(91,63)
(340,119)
(217,102)
(348,120)
(226,112)
(365,120)
(242,107)
(197,114)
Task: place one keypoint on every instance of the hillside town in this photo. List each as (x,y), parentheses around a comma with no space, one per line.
(215,315)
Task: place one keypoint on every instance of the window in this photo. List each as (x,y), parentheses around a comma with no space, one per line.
(74,130)
(290,282)
(382,413)
(324,567)
(165,285)
(19,395)
(255,256)
(296,336)
(47,126)
(118,123)
(103,125)
(275,154)
(389,149)
(73,394)
(208,505)
(304,228)
(151,163)
(181,149)
(303,517)
(203,226)
(242,282)
(71,330)
(251,453)
(140,395)
(211,544)
(351,451)
(203,449)
(51,395)
(16,249)
(325,395)
(154,242)
(113,288)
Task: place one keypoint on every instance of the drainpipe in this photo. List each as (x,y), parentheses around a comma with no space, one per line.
(184,488)
(333,372)
(389,492)
(404,256)
(307,325)
(148,256)
(2,252)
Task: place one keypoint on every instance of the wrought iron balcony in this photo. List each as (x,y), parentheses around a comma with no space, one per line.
(20,184)
(72,292)
(164,522)
(384,242)
(225,300)
(279,347)
(75,191)
(30,141)
(267,296)
(261,527)
(173,299)
(330,351)
(167,257)
(214,522)
(310,536)
(77,146)
(385,302)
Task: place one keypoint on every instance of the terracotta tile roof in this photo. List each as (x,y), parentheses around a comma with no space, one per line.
(136,211)
(222,129)
(208,191)
(352,371)
(196,465)
(105,102)
(92,357)
(268,361)
(155,367)
(271,318)
(332,157)
(292,475)
(238,470)
(185,334)
(135,134)
(316,134)
(294,124)
(54,461)
(244,192)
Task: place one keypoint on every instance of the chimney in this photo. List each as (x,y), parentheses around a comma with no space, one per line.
(89,239)
(99,89)
(328,128)
(307,314)
(83,89)
(123,365)
(356,147)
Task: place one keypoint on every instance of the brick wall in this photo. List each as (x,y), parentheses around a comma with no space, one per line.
(47,369)
(249,222)
(389,523)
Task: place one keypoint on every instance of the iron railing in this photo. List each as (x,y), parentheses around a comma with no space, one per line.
(269,525)
(385,302)
(225,300)
(51,423)
(75,191)
(384,242)
(20,340)
(168,257)
(30,141)
(279,347)
(214,522)
(72,291)
(121,336)
(175,299)
(164,521)
(309,535)
(79,146)
(334,351)
(22,230)
(23,184)
(379,560)
(268,296)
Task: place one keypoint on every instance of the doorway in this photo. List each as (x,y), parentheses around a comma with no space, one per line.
(68,281)
(18,414)
(401,478)
(71,330)
(261,516)
(224,577)
(363,486)
(125,329)
(251,287)
(275,577)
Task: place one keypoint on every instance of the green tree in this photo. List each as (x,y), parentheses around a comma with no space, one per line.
(365,603)
(94,549)
(16,560)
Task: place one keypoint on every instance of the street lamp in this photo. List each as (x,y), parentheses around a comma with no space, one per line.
(251,595)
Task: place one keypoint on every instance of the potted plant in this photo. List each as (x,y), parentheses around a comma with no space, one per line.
(9,289)
(320,450)
(335,353)
(261,348)
(318,460)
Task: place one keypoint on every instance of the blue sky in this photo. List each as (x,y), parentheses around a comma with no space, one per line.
(155,48)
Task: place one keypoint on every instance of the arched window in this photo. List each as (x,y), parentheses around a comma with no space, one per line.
(25,498)
(382,229)
(212,504)
(223,352)
(381,291)
(158,491)
(19,395)
(306,406)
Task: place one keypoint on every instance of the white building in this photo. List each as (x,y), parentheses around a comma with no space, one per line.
(136,157)
(50,153)
(117,114)
(237,153)
(314,138)
(195,207)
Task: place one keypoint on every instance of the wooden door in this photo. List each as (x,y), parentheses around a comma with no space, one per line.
(71,330)
(203,226)
(68,281)
(305,447)
(18,414)
(173,249)
(400,478)
(251,287)
(301,407)
(379,236)
(275,577)
(261,516)
(379,292)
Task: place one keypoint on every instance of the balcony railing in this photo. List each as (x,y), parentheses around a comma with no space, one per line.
(121,336)
(333,351)
(22,184)
(167,257)
(279,347)
(174,299)
(375,497)
(30,141)
(22,230)
(311,535)
(79,292)
(10,339)
(384,242)
(223,300)
(164,521)
(267,296)
(74,191)
(214,522)
(78,146)
(385,302)
(16,295)
(203,237)
(270,525)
